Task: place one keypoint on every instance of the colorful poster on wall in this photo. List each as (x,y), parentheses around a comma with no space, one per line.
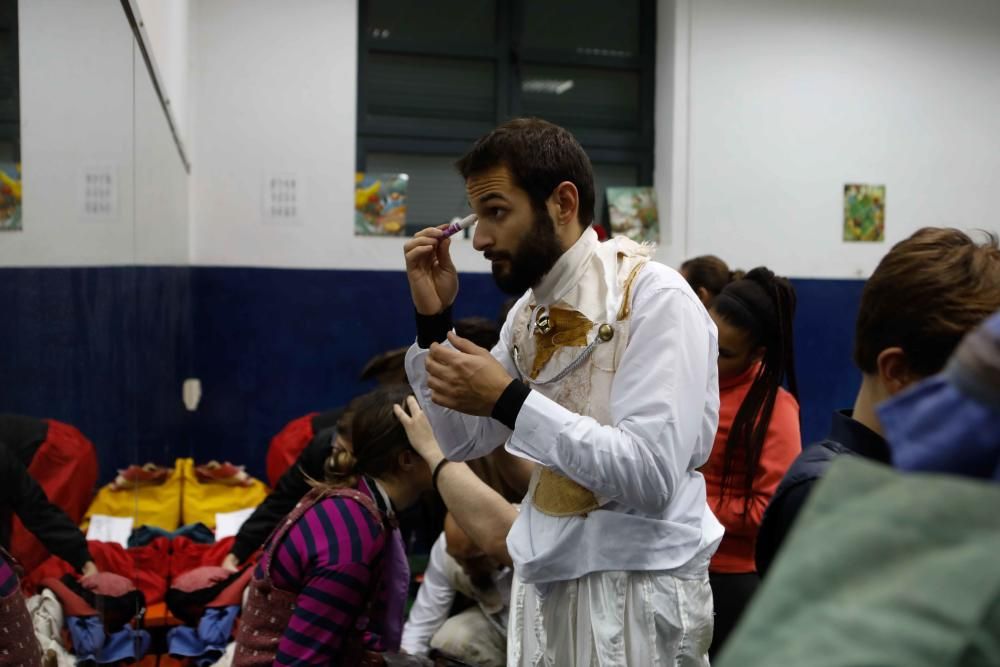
(380,204)
(632,213)
(864,212)
(10,196)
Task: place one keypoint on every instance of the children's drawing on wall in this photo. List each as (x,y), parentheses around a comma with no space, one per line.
(864,212)
(10,196)
(632,213)
(380,204)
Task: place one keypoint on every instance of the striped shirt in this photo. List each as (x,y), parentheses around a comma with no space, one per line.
(8,580)
(328,557)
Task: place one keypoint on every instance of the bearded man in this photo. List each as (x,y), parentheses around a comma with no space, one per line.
(605,377)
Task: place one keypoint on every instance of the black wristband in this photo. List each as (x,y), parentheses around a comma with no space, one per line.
(437,471)
(433,328)
(508,406)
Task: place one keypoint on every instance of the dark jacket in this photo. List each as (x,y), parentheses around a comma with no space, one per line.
(20,494)
(290,487)
(847,436)
(23,435)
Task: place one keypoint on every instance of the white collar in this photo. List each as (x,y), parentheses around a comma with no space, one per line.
(567,271)
(377,487)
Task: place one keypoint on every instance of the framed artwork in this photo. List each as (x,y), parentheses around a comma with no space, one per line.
(380,204)
(10,196)
(632,213)
(864,212)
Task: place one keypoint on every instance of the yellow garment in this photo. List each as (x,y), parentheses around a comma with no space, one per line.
(158,505)
(179,501)
(203,501)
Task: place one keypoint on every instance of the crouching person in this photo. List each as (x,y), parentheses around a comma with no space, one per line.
(477,635)
(331,585)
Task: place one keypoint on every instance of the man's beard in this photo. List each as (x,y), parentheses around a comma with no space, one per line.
(534,257)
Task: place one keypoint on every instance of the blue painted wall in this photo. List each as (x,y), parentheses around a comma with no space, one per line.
(107,349)
(104,349)
(824,341)
(274,344)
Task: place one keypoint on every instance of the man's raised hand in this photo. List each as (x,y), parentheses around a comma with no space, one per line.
(430,271)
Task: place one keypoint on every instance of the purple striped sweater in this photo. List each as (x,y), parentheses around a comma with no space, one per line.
(328,557)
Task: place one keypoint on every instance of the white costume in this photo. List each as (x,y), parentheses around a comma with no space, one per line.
(477,635)
(612,544)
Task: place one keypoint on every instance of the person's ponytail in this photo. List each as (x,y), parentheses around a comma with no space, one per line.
(763,305)
(339,469)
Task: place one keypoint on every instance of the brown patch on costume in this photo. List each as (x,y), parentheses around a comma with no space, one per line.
(568,328)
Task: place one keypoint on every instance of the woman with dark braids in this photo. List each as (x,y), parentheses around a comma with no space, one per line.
(758,436)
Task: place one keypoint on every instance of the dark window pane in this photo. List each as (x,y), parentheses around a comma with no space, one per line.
(610,176)
(582,97)
(583,27)
(435,24)
(435,193)
(425,87)
(8,150)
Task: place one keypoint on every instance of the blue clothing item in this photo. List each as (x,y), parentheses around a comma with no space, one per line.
(196,532)
(126,644)
(950,422)
(92,646)
(207,643)
(87,633)
(847,436)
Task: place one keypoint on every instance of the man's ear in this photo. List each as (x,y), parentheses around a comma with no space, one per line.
(893,371)
(565,204)
(704,295)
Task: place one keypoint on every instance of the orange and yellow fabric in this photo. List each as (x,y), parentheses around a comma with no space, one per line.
(203,500)
(150,505)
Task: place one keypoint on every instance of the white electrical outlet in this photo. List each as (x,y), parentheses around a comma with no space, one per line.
(191,393)
(99,192)
(282,200)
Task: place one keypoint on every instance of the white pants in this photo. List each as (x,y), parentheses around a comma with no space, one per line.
(611,619)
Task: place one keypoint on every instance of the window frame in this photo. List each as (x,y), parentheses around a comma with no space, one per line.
(413,136)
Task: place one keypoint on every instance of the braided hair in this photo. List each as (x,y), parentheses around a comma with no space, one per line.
(763,305)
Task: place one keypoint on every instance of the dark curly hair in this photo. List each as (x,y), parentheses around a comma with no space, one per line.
(540,155)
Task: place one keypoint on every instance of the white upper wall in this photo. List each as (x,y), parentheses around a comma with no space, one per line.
(790,100)
(161,183)
(87,101)
(670,123)
(167,24)
(764,110)
(275,90)
(76,65)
